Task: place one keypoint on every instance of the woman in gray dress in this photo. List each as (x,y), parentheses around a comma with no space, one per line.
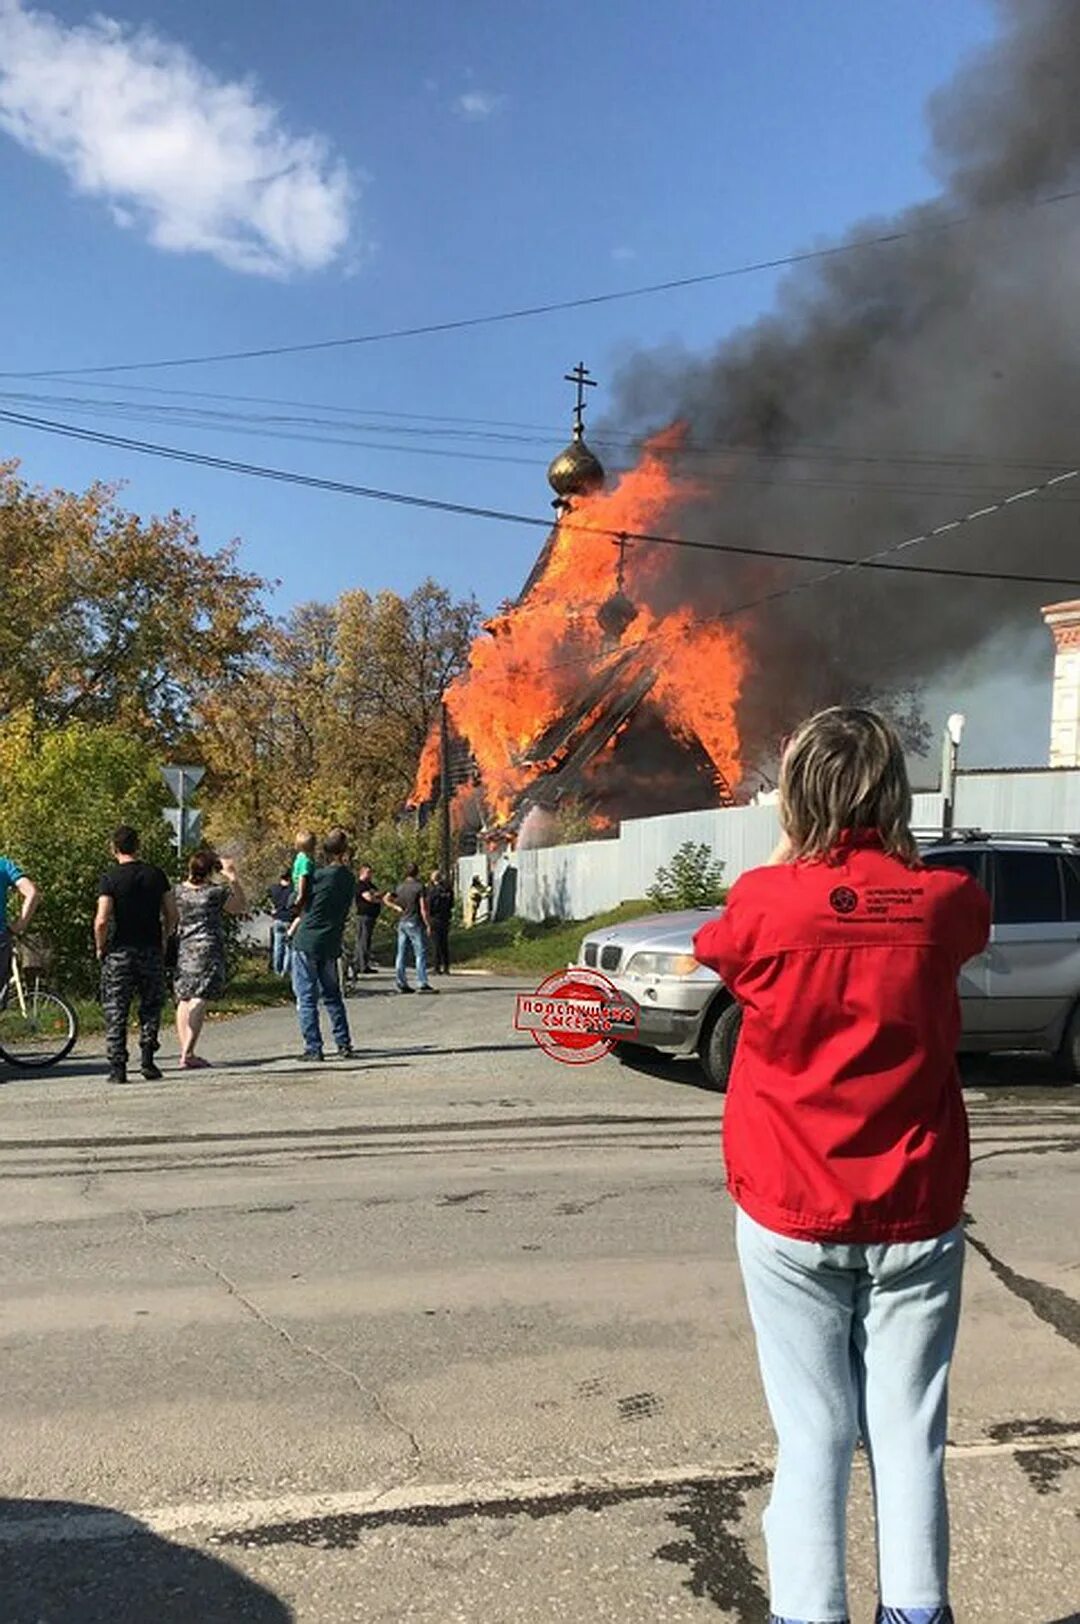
(211,891)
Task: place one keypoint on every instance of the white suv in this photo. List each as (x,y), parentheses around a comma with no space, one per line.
(1022,993)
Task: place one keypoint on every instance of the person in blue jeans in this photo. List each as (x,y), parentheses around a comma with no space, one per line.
(846,1152)
(316,949)
(409,899)
(280,897)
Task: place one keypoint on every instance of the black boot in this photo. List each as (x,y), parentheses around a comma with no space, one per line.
(150,1070)
(117,1074)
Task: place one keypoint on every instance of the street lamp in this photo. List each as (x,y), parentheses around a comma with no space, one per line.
(950,756)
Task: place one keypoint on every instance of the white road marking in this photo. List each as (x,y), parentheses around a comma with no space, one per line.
(229,1516)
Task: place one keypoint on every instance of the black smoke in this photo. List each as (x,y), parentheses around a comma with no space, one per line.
(893,388)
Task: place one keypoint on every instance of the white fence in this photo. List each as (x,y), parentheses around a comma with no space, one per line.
(1046,802)
(572,882)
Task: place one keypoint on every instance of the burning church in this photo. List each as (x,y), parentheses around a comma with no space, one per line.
(595,692)
(919,370)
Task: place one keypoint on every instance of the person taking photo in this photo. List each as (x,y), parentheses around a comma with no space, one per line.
(846,1145)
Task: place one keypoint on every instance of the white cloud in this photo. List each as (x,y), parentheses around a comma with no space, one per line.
(198,163)
(479,104)
(623,254)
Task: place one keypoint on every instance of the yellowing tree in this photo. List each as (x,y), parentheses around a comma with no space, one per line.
(112,618)
(329,726)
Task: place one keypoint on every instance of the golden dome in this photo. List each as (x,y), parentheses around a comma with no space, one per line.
(577,471)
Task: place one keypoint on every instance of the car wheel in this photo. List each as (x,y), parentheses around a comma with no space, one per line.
(1070,1047)
(717,1048)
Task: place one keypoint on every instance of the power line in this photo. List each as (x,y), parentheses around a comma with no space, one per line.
(878,560)
(547,433)
(479,429)
(275,428)
(874,560)
(553,307)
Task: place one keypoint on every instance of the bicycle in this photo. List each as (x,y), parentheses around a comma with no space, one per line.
(38,1028)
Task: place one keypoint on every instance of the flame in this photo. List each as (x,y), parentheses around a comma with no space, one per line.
(426,784)
(533,660)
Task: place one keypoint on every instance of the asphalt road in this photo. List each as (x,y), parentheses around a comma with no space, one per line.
(453,1332)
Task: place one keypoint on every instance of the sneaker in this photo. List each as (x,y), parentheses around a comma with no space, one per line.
(153,1073)
(313,1055)
(427,988)
(401,988)
(346,1054)
(118,1074)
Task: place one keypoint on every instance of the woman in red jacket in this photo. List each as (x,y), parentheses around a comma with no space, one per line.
(846,1145)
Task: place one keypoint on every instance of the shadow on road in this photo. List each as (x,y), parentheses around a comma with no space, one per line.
(1005,1072)
(666,1069)
(421,1051)
(66,1563)
(1014,1071)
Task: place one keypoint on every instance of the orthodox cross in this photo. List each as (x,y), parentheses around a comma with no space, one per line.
(580,376)
(620,568)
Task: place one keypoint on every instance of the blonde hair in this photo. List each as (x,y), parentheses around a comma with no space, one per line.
(843,771)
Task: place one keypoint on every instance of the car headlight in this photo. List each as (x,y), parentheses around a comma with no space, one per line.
(662,964)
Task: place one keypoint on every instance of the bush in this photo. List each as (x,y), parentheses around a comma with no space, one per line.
(691,880)
(391,847)
(62,792)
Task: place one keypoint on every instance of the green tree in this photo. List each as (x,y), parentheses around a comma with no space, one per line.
(391,846)
(691,880)
(62,792)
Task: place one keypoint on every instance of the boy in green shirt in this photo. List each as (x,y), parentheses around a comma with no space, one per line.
(303,870)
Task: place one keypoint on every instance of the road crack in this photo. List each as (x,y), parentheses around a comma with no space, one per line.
(294,1343)
(1055,1308)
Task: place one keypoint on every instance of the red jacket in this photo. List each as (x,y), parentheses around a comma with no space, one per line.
(844,1119)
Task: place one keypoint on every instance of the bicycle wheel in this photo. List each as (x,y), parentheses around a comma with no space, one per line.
(41,1037)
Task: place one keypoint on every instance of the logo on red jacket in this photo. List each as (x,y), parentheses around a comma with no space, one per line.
(843,900)
(576,1016)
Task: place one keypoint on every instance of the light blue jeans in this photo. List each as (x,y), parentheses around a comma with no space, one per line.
(280,947)
(855,1341)
(410,933)
(312,977)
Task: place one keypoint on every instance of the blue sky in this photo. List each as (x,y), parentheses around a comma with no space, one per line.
(438,160)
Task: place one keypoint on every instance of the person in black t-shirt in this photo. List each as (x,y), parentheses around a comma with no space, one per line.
(135,912)
(368,908)
(440,907)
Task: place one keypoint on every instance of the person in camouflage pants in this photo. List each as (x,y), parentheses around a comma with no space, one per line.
(136,913)
(128,973)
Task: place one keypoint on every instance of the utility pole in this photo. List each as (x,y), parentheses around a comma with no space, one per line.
(950,759)
(445,856)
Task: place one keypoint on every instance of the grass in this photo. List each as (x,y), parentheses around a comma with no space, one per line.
(520,947)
